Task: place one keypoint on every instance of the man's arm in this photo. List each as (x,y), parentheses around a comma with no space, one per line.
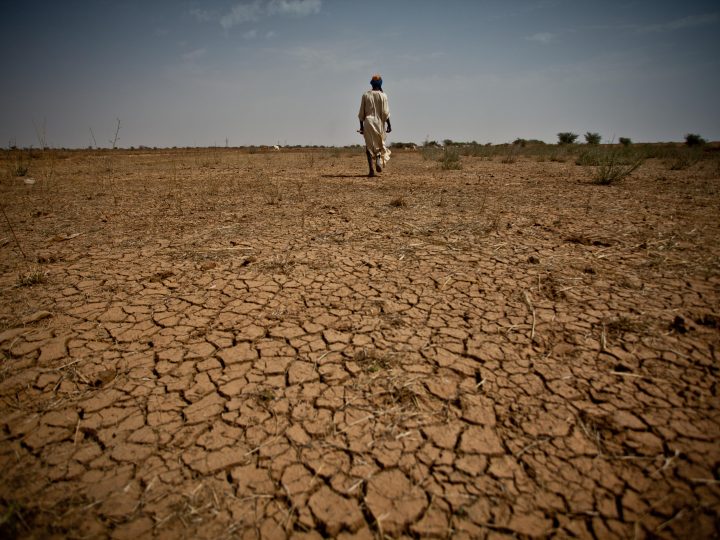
(389,127)
(361,114)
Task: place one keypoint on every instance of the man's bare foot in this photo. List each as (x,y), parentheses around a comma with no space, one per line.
(371,174)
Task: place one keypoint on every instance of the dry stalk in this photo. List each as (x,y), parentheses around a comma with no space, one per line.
(529,446)
(17,242)
(528,303)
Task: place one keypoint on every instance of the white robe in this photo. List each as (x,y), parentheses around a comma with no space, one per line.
(374,112)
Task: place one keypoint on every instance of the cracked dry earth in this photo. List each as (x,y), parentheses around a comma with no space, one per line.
(223,344)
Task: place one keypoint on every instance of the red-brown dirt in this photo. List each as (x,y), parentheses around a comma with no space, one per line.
(219,344)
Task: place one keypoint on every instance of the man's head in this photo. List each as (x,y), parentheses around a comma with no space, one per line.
(376,82)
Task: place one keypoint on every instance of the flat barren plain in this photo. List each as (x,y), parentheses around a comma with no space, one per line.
(223,344)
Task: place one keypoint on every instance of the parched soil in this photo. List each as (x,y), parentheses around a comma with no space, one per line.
(221,344)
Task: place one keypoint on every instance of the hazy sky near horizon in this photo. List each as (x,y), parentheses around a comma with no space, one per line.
(195,73)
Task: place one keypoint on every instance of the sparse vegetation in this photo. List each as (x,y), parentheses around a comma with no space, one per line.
(615,166)
(693,140)
(12,523)
(588,158)
(624,324)
(625,141)
(566,137)
(398,202)
(450,159)
(32,276)
(322,331)
(371,361)
(684,158)
(510,157)
(402,145)
(21,169)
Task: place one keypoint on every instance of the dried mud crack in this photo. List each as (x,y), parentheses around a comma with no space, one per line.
(263,346)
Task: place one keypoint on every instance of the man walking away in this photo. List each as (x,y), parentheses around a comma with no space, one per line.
(374,114)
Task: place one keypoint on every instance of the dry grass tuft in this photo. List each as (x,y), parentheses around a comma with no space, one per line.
(33,276)
(371,361)
(626,325)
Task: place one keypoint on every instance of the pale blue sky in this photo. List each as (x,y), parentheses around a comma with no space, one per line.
(191,73)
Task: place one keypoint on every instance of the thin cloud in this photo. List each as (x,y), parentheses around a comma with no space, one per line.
(250,34)
(242,13)
(258,9)
(203,15)
(422,57)
(691,21)
(542,37)
(327,59)
(194,55)
(294,8)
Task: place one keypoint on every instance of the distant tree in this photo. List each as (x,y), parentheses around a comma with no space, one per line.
(447,142)
(625,141)
(693,139)
(592,138)
(566,137)
(520,142)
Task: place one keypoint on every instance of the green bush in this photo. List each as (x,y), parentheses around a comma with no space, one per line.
(592,138)
(693,139)
(625,141)
(451,158)
(566,137)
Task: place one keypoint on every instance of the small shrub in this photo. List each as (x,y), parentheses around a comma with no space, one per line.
(510,157)
(32,277)
(592,138)
(616,166)
(558,156)
(588,158)
(693,139)
(450,158)
(625,141)
(430,153)
(684,159)
(402,145)
(477,150)
(566,137)
(520,142)
(398,202)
